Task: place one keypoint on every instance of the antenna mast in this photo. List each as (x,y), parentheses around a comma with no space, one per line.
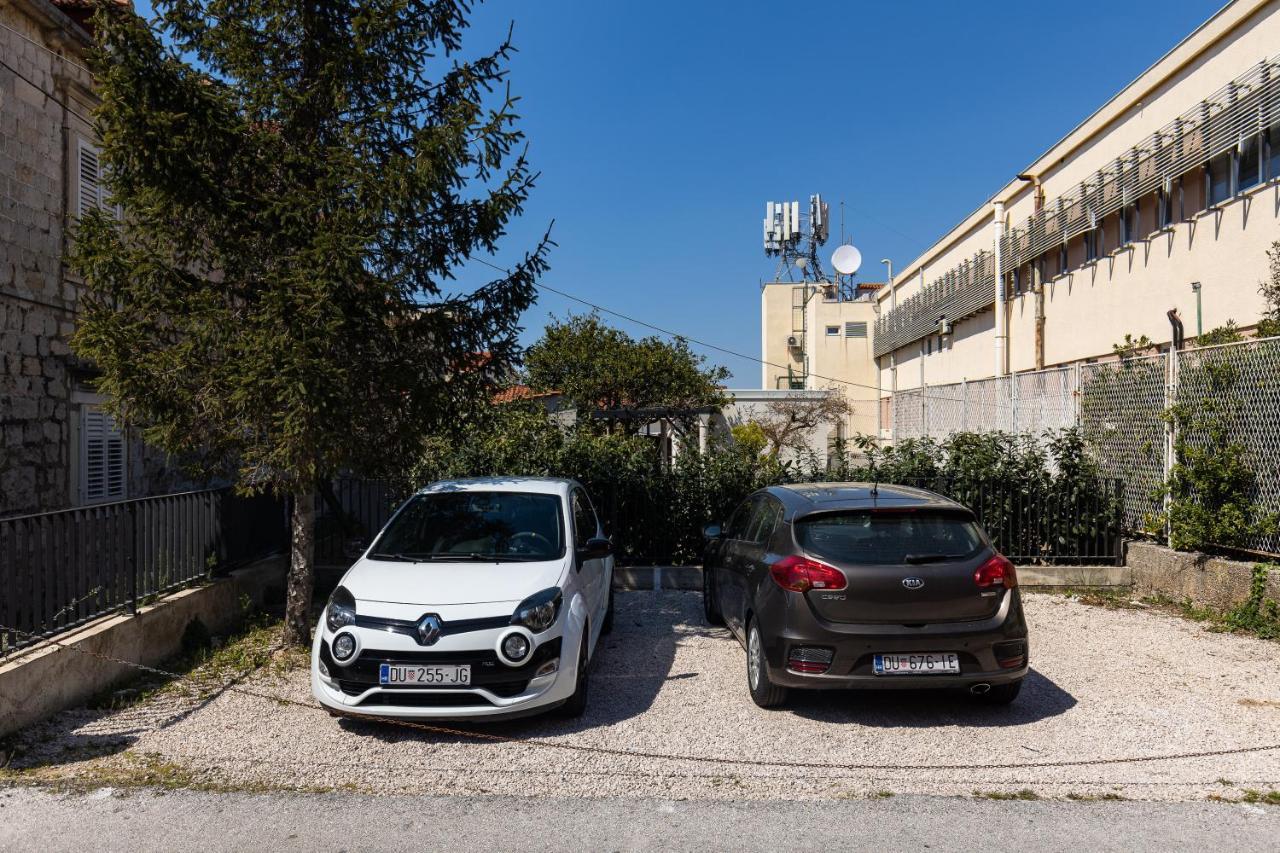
(795,246)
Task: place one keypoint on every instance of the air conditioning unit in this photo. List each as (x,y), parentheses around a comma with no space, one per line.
(793,342)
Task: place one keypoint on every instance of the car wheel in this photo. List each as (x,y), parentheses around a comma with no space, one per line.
(709,606)
(764,692)
(577,703)
(606,627)
(1001,694)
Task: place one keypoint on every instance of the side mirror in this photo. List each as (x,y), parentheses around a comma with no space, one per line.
(711,532)
(596,548)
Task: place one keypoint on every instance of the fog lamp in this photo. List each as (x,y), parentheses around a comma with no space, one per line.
(547,668)
(344,646)
(515,647)
(324,670)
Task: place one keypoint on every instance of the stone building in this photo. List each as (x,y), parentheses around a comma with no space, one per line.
(58,448)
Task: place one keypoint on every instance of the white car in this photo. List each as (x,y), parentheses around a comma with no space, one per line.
(480,598)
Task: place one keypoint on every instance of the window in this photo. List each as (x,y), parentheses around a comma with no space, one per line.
(1091,245)
(1164,207)
(584,519)
(833,331)
(476,526)
(854,329)
(1062,260)
(764,520)
(889,538)
(1218,177)
(738,524)
(102,457)
(1249,163)
(1128,223)
(928,346)
(1273,152)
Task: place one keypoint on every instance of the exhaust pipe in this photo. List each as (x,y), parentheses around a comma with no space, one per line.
(979,689)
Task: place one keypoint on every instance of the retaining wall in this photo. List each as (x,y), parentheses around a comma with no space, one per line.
(38,683)
(1204,580)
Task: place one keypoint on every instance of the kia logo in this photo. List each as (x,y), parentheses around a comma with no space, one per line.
(913,583)
(428,629)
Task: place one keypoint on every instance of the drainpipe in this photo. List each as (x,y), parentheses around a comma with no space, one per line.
(1002,333)
(1195,288)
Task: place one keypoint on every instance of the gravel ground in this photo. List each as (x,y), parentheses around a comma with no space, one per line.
(1105,684)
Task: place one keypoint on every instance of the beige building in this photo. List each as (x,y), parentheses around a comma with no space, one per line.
(1166,198)
(812,338)
(58,449)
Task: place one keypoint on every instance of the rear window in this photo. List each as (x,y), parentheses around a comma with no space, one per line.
(880,538)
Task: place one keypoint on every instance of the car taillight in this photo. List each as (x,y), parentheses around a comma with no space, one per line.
(997,570)
(810,660)
(800,574)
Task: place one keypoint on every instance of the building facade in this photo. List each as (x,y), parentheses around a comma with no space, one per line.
(59,448)
(812,338)
(1166,199)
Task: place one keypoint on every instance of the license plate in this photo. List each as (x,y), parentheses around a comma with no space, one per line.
(919,663)
(435,676)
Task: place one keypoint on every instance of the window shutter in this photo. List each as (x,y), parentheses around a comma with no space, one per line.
(855,329)
(102,455)
(90,183)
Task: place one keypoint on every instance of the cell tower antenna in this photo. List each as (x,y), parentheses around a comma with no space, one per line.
(794,245)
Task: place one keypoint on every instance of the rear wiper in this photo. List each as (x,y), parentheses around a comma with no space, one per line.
(930,558)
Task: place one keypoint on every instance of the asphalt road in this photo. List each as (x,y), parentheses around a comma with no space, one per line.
(36,819)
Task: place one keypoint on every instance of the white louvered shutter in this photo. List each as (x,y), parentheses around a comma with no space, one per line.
(102,457)
(90,185)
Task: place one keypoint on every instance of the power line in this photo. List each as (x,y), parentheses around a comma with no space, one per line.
(46,48)
(47,93)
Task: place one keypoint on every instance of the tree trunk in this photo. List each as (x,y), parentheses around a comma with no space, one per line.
(302,578)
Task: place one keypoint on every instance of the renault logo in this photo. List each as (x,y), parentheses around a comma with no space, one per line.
(909,583)
(429,629)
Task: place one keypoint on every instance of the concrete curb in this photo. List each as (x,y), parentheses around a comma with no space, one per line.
(41,681)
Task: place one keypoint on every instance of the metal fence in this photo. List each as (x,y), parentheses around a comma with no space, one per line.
(61,569)
(1122,410)
(1041,523)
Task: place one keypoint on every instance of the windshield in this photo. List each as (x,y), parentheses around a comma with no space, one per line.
(474,526)
(888,538)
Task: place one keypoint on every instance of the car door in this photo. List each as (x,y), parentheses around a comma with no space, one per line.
(730,580)
(591,573)
(754,556)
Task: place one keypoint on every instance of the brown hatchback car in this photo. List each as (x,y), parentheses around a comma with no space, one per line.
(853,585)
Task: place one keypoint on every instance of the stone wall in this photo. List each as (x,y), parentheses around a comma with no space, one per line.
(37,300)
(1189,576)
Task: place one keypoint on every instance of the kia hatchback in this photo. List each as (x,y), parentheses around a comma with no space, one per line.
(850,585)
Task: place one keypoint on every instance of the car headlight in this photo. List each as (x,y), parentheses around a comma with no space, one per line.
(341,609)
(538,612)
(344,646)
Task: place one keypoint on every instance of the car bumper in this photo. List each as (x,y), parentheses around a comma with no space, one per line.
(986,649)
(496,692)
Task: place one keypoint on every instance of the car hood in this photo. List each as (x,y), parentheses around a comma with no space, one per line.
(433,583)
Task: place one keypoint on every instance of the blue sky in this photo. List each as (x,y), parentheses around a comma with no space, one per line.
(661,129)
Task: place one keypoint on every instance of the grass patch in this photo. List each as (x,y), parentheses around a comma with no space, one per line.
(147,770)
(1095,798)
(1270,798)
(1024,794)
(208,664)
(1257,616)
(882,795)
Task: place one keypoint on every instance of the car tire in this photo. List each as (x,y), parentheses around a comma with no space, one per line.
(764,692)
(606,627)
(1001,694)
(709,606)
(577,703)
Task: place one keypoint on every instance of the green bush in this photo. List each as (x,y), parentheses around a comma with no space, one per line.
(1035,497)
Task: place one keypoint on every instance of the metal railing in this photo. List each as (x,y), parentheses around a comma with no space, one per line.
(1044,523)
(61,569)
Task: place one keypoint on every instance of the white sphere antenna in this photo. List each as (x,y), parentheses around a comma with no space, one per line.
(846,259)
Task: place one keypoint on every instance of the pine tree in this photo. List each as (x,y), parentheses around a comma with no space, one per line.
(299,182)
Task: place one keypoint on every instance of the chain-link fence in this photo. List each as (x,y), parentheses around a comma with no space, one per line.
(1122,408)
